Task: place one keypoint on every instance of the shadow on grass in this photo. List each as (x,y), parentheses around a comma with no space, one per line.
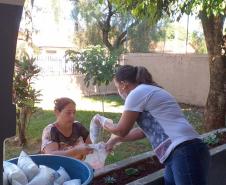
(113,100)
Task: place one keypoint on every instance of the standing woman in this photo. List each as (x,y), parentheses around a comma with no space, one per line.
(66,136)
(160,119)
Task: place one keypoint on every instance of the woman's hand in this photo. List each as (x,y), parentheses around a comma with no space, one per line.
(83,149)
(109,126)
(134,134)
(111,143)
(125,124)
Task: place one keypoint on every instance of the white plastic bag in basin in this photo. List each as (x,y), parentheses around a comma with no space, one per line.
(5,179)
(73,182)
(14,182)
(63,176)
(46,176)
(14,173)
(26,164)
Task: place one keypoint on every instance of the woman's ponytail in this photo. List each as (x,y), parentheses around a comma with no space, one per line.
(144,77)
(135,75)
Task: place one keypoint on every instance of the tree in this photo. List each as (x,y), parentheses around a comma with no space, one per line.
(162,30)
(55,5)
(25,96)
(212,14)
(96,63)
(91,36)
(198,42)
(139,38)
(106,17)
(106,21)
(144,35)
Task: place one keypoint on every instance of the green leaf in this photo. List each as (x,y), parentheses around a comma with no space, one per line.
(110,180)
(132,171)
(95,63)
(100,1)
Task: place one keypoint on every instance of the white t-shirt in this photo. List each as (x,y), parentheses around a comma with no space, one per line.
(161,118)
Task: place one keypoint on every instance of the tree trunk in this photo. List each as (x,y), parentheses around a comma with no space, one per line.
(102,99)
(22,136)
(106,28)
(22,122)
(214,114)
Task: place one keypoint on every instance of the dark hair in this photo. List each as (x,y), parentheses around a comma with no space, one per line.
(60,103)
(134,75)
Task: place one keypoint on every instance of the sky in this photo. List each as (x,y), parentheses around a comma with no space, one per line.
(50,31)
(194,23)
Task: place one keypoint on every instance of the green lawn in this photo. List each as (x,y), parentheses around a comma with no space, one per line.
(44,117)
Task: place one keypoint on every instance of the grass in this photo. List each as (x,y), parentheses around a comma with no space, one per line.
(43,117)
(112,100)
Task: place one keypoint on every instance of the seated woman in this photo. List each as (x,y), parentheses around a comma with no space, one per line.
(66,136)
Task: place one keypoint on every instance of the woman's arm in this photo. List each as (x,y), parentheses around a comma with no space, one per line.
(134,134)
(124,125)
(74,151)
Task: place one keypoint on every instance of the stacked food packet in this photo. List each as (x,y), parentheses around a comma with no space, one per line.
(26,172)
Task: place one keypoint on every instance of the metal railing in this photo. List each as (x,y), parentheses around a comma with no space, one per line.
(54,65)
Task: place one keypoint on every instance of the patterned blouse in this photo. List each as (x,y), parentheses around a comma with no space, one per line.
(52,134)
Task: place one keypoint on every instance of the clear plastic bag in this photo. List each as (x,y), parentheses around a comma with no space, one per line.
(98,157)
(103,120)
(96,128)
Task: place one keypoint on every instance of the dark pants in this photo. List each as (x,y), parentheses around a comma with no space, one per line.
(188,164)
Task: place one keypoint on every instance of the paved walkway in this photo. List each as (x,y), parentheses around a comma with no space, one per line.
(53,87)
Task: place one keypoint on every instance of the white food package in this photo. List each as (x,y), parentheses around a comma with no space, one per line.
(73,182)
(5,179)
(26,164)
(14,173)
(98,157)
(96,127)
(63,176)
(46,176)
(14,182)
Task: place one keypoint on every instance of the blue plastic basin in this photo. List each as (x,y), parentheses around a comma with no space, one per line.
(75,168)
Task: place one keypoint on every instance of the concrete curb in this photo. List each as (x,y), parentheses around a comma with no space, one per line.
(123,163)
